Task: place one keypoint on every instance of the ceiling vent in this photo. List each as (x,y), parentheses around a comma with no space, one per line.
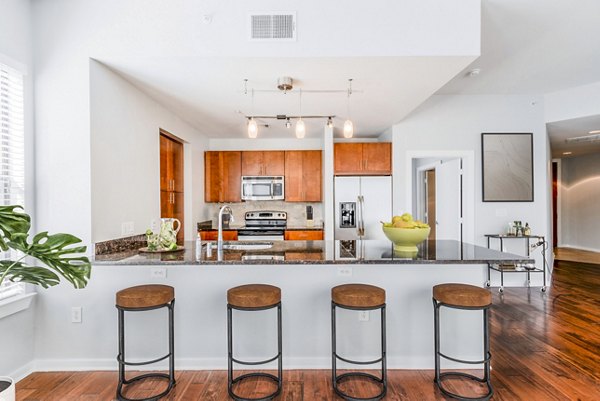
(273,26)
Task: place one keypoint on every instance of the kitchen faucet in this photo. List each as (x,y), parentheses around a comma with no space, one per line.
(224,208)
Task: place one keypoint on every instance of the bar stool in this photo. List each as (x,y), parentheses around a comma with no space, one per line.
(253,297)
(358,297)
(138,299)
(468,297)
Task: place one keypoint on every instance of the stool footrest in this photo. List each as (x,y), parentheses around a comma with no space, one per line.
(156,397)
(350,375)
(248,376)
(484,397)
(257,362)
(358,362)
(121,360)
(489,358)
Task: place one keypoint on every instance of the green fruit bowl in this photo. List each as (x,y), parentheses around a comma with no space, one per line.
(406,239)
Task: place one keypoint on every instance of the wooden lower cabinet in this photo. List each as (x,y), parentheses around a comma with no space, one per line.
(303,235)
(228,235)
(299,255)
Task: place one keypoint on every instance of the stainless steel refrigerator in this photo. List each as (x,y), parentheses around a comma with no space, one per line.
(360,204)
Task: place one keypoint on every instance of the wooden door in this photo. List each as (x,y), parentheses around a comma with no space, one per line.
(377,158)
(252,163)
(347,158)
(311,176)
(274,162)
(293,176)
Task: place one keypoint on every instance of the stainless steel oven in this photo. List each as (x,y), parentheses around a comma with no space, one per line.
(265,225)
(263,187)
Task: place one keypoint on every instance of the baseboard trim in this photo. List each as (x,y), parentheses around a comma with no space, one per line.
(23,371)
(579,248)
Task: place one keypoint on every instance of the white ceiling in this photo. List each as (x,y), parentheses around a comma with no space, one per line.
(208,91)
(561,130)
(534,47)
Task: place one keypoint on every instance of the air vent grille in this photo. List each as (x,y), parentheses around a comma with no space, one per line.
(264,26)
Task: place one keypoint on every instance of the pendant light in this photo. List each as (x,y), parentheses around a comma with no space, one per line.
(252,125)
(300,127)
(348,126)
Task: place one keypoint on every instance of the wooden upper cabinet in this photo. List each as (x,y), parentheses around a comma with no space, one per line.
(369,158)
(222,176)
(263,163)
(303,176)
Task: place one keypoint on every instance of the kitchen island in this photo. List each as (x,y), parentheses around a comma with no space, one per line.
(306,274)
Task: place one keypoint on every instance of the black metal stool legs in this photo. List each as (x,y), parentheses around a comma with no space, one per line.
(336,379)
(122,363)
(231,359)
(439,377)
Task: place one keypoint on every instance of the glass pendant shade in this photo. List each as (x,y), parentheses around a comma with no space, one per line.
(348,129)
(300,129)
(252,128)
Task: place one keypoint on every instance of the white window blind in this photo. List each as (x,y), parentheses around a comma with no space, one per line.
(12,154)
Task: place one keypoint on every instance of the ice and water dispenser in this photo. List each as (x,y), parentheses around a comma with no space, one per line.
(347,214)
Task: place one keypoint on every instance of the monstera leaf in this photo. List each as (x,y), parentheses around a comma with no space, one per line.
(58,253)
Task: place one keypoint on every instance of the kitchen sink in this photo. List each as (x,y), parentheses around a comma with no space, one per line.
(246,246)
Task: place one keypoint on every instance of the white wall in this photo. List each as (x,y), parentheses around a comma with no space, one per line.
(125,168)
(291,143)
(581,101)
(455,123)
(579,207)
(17,331)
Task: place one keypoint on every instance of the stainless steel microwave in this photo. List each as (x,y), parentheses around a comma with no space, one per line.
(262,187)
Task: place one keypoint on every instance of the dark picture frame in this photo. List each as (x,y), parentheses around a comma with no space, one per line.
(507,167)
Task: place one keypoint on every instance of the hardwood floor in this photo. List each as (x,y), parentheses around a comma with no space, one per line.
(544,347)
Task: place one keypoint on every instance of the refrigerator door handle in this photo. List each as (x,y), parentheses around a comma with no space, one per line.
(361,224)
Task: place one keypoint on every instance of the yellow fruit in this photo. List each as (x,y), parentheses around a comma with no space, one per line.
(407,217)
(396,218)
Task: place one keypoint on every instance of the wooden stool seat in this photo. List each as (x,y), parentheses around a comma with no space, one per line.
(462,295)
(145,296)
(358,295)
(253,296)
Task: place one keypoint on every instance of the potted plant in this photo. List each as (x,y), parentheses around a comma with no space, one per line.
(57,256)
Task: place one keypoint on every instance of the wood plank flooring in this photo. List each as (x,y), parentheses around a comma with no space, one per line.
(544,347)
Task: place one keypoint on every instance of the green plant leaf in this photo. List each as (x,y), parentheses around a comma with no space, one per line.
(14,225)
(21,272)
(56,252)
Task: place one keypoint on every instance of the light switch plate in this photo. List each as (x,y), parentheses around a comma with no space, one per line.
(127,228)
(76,314)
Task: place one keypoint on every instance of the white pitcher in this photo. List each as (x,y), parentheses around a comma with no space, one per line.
(168,231)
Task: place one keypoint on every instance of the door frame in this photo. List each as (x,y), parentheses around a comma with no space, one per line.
(468,187)
(420,193)
(557,234)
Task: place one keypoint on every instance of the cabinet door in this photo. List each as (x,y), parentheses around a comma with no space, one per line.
(274,163)
(303,235)
(166,204)
(377,158)
(311,176)
(231,166)
(177,166)
(347,158)
(178,214)
(229,235)
(252,163)
(212,176)
(165,163)
(294,176)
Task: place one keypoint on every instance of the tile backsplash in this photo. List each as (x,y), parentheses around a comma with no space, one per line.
(296,211)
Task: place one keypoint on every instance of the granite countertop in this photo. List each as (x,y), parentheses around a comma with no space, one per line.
(319,252)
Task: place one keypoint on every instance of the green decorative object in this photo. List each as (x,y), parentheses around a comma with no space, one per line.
(406,239)
(58,254)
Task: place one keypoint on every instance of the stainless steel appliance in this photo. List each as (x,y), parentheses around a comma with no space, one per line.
(263,188)
(361,203)
(268,225)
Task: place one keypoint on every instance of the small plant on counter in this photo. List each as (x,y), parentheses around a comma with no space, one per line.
(56,253)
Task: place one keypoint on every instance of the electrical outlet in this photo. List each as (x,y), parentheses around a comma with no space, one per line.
(158,272)
(76,314)
(127,228)
(363,316)
(344,271)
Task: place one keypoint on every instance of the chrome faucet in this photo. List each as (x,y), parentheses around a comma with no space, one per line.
(224,208)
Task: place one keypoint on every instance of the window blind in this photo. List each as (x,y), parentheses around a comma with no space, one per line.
(12,154)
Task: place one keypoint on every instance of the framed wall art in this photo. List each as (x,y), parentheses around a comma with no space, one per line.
(507,167)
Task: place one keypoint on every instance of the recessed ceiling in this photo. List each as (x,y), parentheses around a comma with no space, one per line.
(559,131)
(208,92)
(534,47)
